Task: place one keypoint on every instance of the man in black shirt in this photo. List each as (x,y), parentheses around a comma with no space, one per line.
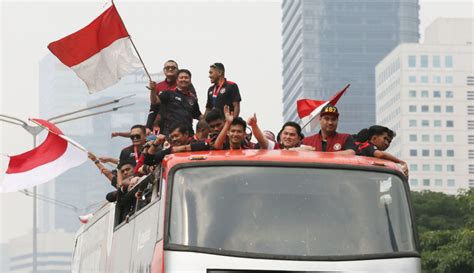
(138,137)
(222,92)
(178,107)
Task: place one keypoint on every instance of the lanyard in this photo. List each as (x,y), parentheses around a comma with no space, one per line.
(135,149)
(216,90)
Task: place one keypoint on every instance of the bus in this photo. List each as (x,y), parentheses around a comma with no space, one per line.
(257,211)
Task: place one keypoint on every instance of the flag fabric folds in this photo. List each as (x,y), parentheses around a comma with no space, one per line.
(50,159)
(100,53)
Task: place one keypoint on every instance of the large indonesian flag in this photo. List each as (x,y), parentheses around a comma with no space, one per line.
(100,54)
(50,159)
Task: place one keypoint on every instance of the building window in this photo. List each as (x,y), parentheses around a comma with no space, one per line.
(436,61)
(448,79)
(436,94)
(412,93)
(425,138)
(437,123)
(437,138)
(424,94)
(449,94)
(423,61)
(438,153)
(451,182)
(450,138)
(449,123)
(425,123)
(450,168)
(437,108)
(412,108)
(438,168)
(450,153)
(426,182)
(438,182)
(424,79)
(412,79)
(413,138)
(411,61)
(425,152)
(449,109)
(426,167)
(412,123)
(437,79)
(413,152)
(413,167)
(448,61)
(425,108)
(414,182)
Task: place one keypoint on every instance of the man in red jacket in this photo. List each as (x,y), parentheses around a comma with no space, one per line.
(328,140)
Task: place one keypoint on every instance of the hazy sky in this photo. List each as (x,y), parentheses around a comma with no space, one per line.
(244,35)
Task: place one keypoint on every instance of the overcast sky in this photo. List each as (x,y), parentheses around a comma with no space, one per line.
(244,35)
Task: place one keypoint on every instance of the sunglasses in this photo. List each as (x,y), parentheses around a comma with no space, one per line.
(135,137)
(171,68)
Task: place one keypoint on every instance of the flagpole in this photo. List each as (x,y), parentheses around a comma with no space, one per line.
(133,44)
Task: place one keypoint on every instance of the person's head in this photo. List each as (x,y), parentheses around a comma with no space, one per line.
(216,121)
(138,134)
(202,129)
(328,119)
(170,69)
(126,168)
(236,132)
(184,79)
(290,135)
(179,135)
(391,135)
(216,72)
(379,136)
(362,135)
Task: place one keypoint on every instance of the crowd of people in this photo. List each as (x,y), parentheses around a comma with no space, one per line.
(169,129)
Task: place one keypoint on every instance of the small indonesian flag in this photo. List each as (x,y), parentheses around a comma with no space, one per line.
(50,159)
(308,109)
(100,53)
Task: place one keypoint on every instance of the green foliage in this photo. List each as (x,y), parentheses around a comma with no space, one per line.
(445,225)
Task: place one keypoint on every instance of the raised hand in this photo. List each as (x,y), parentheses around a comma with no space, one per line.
(252,121)
(229,116)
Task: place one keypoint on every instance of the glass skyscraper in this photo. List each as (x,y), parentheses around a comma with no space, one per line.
(330,43)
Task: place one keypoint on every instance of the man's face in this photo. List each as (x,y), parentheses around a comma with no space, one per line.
(289,137)
(328,123)
(177,138)
(184,80)
(381,141)
(216,126)
(204,133)
(171,70)
(214,75)
(236,134)
(137,136)
(126,170)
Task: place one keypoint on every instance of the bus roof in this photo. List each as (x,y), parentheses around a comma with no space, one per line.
(281,156)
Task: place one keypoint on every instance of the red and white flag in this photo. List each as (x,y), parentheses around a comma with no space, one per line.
(100,53)
(308,109)
(50,159)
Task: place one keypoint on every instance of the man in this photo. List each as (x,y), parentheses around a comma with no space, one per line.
(328,140)
(202,131)
(290,136)
(232,136)
(222,92)
(178,107)
(170,69)
(379,138)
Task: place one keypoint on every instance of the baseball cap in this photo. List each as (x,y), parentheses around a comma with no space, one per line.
(218,66)
(329,110)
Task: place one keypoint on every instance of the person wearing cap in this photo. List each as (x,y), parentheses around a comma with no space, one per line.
(328,139)
(179,107)
(170,70)
(222,92)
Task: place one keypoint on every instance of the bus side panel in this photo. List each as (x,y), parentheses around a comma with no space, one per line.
(145,237)
(121,248)
(92,251)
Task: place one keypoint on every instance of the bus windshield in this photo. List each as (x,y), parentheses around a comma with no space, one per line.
(290,212)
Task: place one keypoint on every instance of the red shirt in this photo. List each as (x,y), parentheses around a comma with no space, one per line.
(164,86)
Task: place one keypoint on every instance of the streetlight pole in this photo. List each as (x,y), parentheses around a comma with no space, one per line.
(34,131)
